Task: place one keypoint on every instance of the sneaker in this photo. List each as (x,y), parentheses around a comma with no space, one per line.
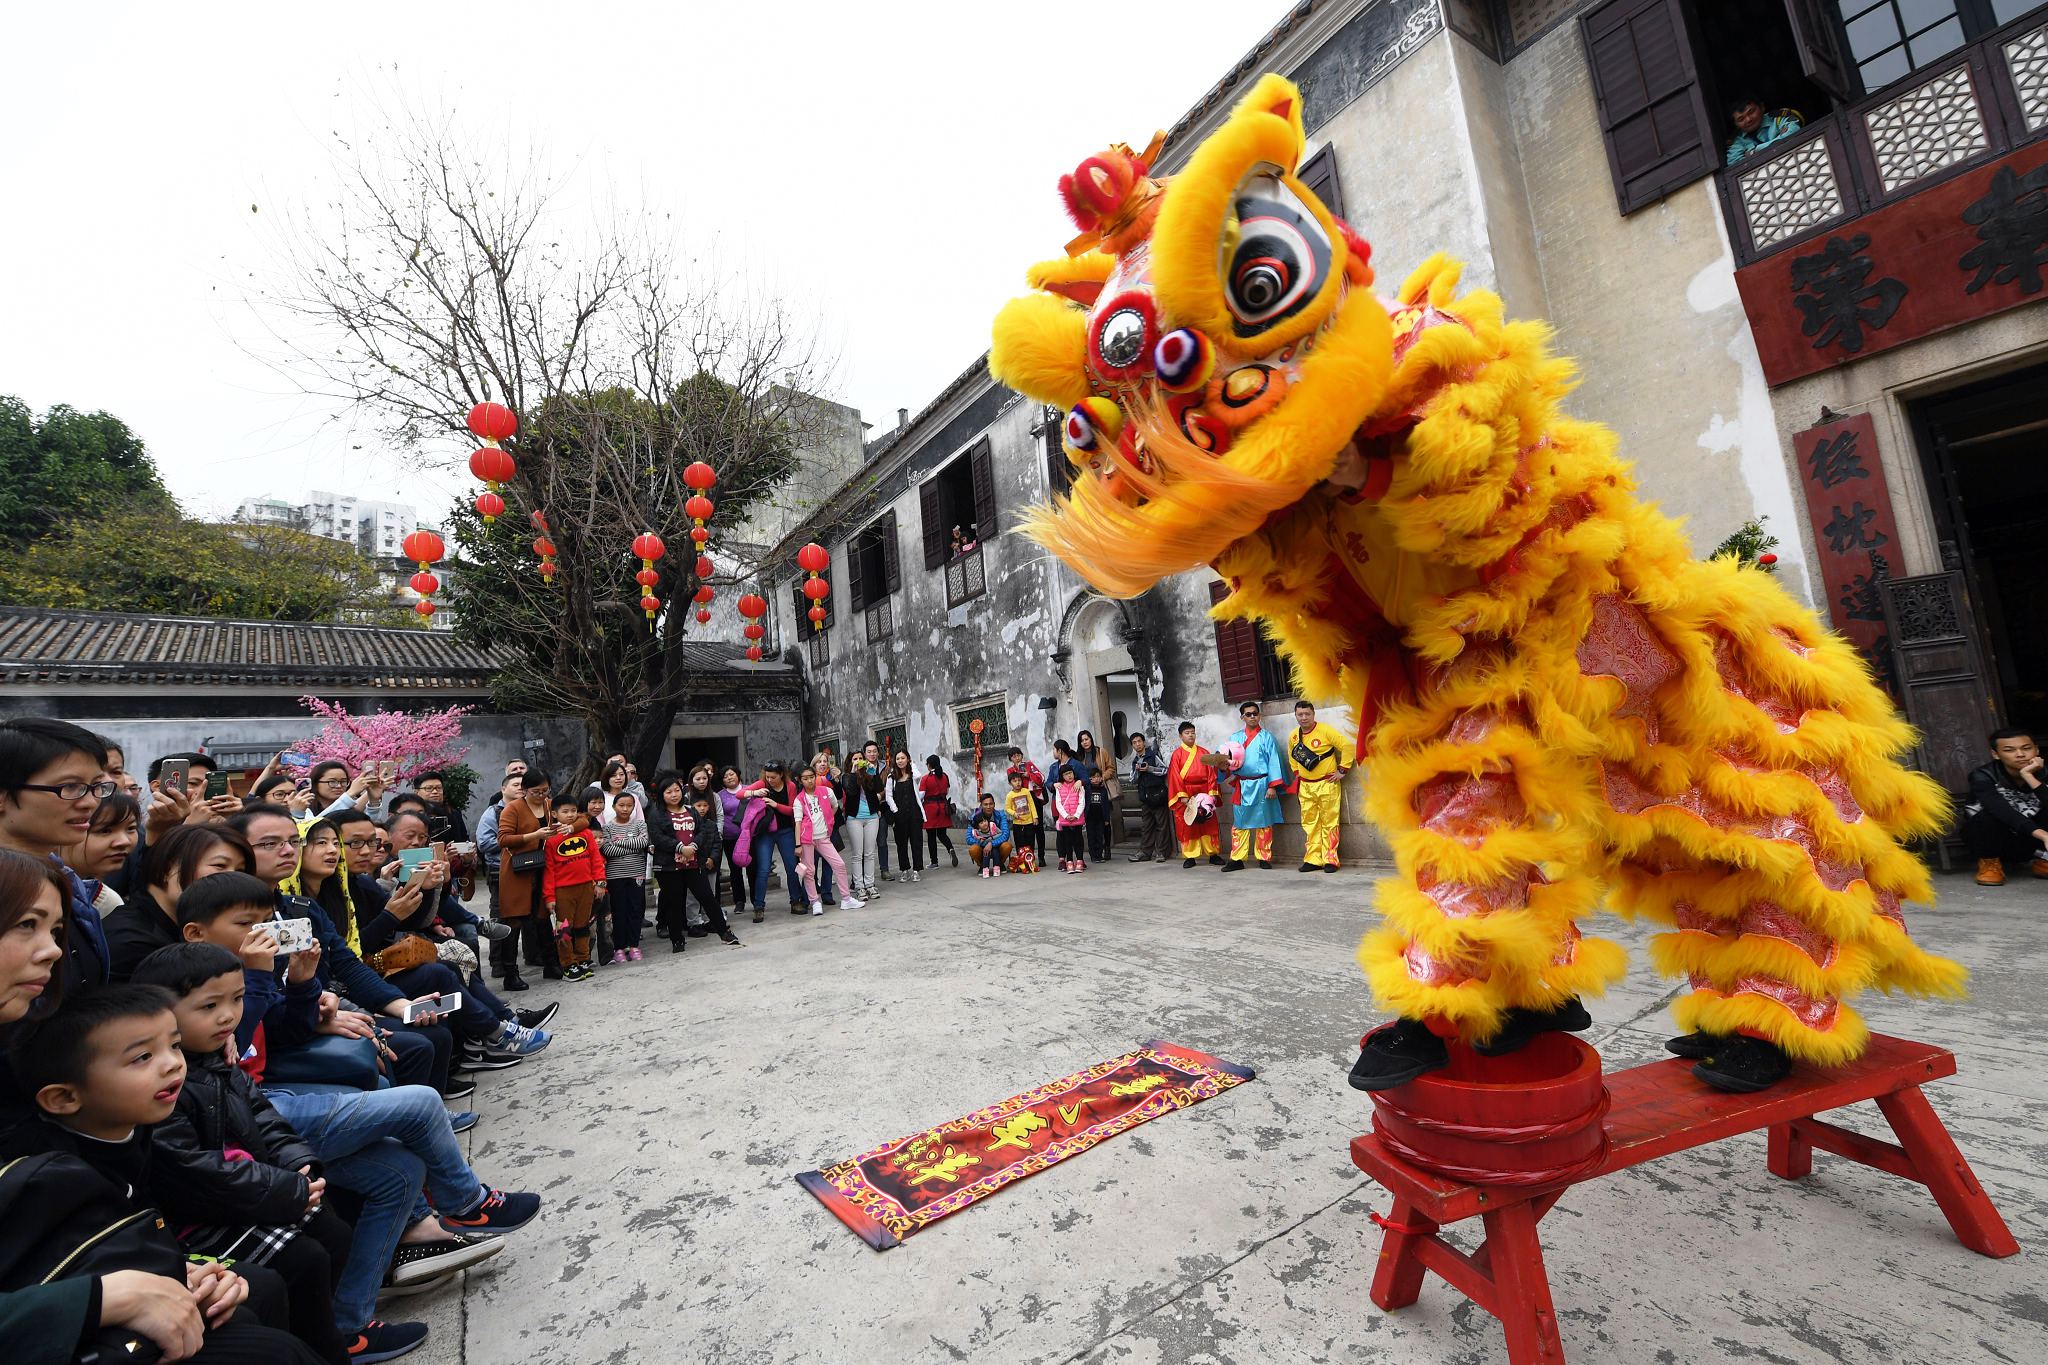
(462,1122)
(1744,1065)
(1330,869)
(995,872)
(851,903)
(498,1212)
(459,1090)
(1395,1054)
(633,954)
(515,1042)
(1266,863)
(1234,865)
(538,1018)
(494,929)
(489,1061)
(730,940)
(796,909)
(415,1262)
(2038,866)
(1189,862)
(619,957)
(386,1341)
(817,908)
(1306,867)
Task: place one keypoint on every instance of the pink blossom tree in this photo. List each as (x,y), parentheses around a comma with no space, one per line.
(417,741)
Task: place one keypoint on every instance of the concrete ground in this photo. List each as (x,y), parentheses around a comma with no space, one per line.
(682,1095)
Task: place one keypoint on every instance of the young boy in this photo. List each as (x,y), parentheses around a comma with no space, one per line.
(1022,809)
(2006,815)
(573,880)
(218,1109)
(988,837)
(106,1070)
(232,910)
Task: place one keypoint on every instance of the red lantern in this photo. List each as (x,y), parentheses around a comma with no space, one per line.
(423,548)
(547,570)
(753,604)
(817,589)
(544,547)
(813,558)
(699,534)
(424,608)
(425,584)
(753,654)
(754,630)
(492,465)
(490,507)
(493,421)
(817,615)
(648,546)
(698,509)
(650,604)
(703,616)
(700,476)
(647,578)
(539,520)
(704,593)
(704,566)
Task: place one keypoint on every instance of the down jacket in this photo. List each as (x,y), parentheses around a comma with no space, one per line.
(218,1109)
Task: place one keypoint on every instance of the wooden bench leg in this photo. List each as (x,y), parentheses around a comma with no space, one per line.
(1398,1280)
(1940,1165)
(1790,1154)
(1522,1286)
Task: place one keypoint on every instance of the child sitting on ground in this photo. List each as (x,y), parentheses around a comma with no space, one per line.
(1022,809)
(573,881)
(219,1111)
(106,1070)
(1070,819)
(988,837)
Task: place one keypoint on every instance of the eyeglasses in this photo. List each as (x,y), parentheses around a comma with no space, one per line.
(72,791)
(358,845)
(273,845)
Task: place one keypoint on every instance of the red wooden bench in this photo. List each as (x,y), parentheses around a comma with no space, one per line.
(1657,1110)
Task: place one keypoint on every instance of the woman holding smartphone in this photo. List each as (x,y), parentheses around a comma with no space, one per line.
(522,830)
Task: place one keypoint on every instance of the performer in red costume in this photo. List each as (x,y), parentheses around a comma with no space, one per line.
(1188,777)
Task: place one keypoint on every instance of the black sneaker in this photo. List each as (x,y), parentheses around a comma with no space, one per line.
(1306,867)
(538,1018)
(1744,1065)
(1215,860)
(415,1264)
(1189,862)
(678,943)
(386,1341)
(482,1059)
(1395,1054)
(458,1089)
(498,1212)
(1521,1025)
(730,940)
(1330,868)
(1233,866)
(699,931)
(1266,864)
(1698,1046)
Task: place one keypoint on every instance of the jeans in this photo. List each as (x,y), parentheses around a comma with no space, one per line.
(765,845)
(629,910)
(381,1144)
(861,837)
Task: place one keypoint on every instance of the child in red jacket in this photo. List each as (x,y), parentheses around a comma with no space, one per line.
(573,880)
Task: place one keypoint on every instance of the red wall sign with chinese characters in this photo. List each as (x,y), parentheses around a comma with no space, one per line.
(1964,249)
(1853,529)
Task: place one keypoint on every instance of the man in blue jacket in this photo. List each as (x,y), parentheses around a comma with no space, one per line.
(1259,778)
(988,837)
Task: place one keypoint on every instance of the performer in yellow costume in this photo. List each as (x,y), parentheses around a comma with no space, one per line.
(1555,700)
(1316,754)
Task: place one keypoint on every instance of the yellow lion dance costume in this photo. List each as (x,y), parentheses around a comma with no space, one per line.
(1555,700)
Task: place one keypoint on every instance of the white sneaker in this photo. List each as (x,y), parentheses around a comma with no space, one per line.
(996,872)
(817,907)
(851,902)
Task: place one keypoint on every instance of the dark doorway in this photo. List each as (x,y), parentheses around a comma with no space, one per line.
(1985,449)
(717,750)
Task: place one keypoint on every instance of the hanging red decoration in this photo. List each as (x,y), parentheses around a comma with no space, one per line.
(492,465)
(425,584)
(700,476)
(650,604)
(814,559)
(647,578)
(700,534)
(698,509)
(493,421)
(754,630)
(547,570)
(539,520)
(704,593)
(753,654)
(545,549)
(753,604)
(705,567)
(647,547)
(425,549)
(490,507)
(703,616)
(424,608)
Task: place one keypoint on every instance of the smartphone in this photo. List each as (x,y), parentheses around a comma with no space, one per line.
(388,770)
(433,1004)
(173,775)
(439,849)
(293,935)
(410,860)
(238,784)
(294,759)
(216,784)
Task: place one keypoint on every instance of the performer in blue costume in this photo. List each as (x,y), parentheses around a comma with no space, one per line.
(1260,776)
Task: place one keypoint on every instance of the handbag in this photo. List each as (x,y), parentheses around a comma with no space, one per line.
(403,955)
(530,860)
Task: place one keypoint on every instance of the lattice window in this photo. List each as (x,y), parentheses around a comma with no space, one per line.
(821,647)
(995,717)
(1927,128)
(1791,193)
(2027,58)
(966,578)
(881,621)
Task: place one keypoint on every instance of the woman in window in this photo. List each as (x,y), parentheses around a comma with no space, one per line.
(935,790)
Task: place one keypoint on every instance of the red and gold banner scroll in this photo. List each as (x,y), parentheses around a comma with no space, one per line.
(1856,538)
(905,1186)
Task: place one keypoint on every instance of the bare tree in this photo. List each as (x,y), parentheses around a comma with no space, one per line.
(437,281)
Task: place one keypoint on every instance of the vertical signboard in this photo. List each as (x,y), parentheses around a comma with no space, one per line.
(1855,535)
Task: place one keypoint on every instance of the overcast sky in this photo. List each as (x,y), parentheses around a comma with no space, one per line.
(889,167)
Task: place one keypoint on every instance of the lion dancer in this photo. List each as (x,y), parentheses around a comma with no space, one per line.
(1317,757)
(1188,777)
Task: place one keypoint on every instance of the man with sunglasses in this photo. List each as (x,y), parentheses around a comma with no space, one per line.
(53,776)
(1259,778)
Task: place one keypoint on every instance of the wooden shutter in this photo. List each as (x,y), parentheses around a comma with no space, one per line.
(1237,652)
(1320,175)
(856,591)
(1820,50)
(981,463)
(892,568)
(1653,114)
(930,517)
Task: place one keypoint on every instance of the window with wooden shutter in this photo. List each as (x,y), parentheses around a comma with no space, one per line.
(856,591)
(1653,115)
(982,462)
(1319,173)
(1237,653)
(892,567)
(1819,44)
(932,518)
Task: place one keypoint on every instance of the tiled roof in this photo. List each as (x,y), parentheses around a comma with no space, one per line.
(39,646)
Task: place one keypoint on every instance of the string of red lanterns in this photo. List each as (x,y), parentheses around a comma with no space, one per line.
(425,549)
(544,547)
(492,423)
(814,559)
(648,547)
(753,606)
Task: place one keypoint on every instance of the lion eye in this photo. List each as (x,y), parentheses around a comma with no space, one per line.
(1279,260)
